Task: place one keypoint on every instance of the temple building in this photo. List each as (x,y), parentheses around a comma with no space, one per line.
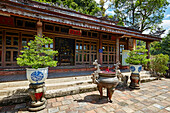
(79,38)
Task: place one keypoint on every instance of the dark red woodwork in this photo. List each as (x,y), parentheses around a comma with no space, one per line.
(113,38)
(9,21)
(75,32)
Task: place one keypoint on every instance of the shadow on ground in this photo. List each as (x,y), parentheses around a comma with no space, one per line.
(94,99)
(16,97)
(123,87)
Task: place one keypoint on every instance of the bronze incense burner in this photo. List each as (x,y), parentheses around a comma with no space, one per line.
(105,79)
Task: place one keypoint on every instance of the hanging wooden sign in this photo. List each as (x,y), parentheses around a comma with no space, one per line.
(75,32)
(113,38)
(9,21)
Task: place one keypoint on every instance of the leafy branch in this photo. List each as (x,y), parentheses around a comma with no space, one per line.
(36,55)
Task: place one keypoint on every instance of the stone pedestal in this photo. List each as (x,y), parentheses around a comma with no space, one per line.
(135,81)
(36,92)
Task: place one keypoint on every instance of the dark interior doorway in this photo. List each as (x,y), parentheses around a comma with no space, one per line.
(66,50)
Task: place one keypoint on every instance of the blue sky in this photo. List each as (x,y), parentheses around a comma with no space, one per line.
(165,22)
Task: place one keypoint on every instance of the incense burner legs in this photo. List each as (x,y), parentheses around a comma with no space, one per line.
(36,92)
(110,90)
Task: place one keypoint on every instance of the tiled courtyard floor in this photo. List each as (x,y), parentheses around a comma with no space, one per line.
(153,97)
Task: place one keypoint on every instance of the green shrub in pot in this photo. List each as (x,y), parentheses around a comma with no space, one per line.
(137,57)
(37,56)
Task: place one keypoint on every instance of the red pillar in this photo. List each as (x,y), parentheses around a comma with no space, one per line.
(100,50)
(134,44)
(117,50)
(127,47)
(3,48)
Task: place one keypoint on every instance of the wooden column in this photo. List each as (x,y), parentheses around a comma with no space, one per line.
(134,44)
(3,47)
(117,50)
(148,48)
(39,28)
(20,43)
(127,47)
(100,53)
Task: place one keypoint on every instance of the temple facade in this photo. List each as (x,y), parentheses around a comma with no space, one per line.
(79,38)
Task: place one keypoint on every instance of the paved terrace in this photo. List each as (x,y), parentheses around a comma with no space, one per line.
(153,97)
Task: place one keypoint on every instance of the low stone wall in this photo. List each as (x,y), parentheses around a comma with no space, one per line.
(21,71)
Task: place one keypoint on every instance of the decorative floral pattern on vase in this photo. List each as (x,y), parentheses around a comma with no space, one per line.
(140,68)
(37,76)
(132,68)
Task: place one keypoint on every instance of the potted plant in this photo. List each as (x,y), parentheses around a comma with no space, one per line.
(136,58)
(37,57)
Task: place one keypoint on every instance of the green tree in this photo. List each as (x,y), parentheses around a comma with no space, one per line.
(155,48)
(83,6)
(159,64)
(140,43)
(165,45)
(146,14)
(161,47)
(138,56)
(102,3)
(36,55)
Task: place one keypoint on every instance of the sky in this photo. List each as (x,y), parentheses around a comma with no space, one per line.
(165,22)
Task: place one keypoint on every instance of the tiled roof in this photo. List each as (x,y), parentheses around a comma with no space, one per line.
(61,15)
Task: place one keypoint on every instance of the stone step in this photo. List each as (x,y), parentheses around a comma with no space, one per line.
(16,92)
(24,97)
(67,84)
(48,81)
(145,72)
(14,84)
(13,91)
(52,86)
(148,79)
(70,90)
(68,79)
(145,76)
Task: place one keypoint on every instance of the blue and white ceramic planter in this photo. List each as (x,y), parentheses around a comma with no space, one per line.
(135,68)
(37,76)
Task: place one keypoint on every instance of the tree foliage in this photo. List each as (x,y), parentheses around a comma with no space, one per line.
(83,6)
(102,3)
(138,56)
(161,47)
(146,14)
(159,64)
(155,48)
(36,55)
(165,45)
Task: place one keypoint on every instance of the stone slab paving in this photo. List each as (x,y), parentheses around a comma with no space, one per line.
(153,97)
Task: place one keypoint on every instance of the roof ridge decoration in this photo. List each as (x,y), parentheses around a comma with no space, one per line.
(34,10)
